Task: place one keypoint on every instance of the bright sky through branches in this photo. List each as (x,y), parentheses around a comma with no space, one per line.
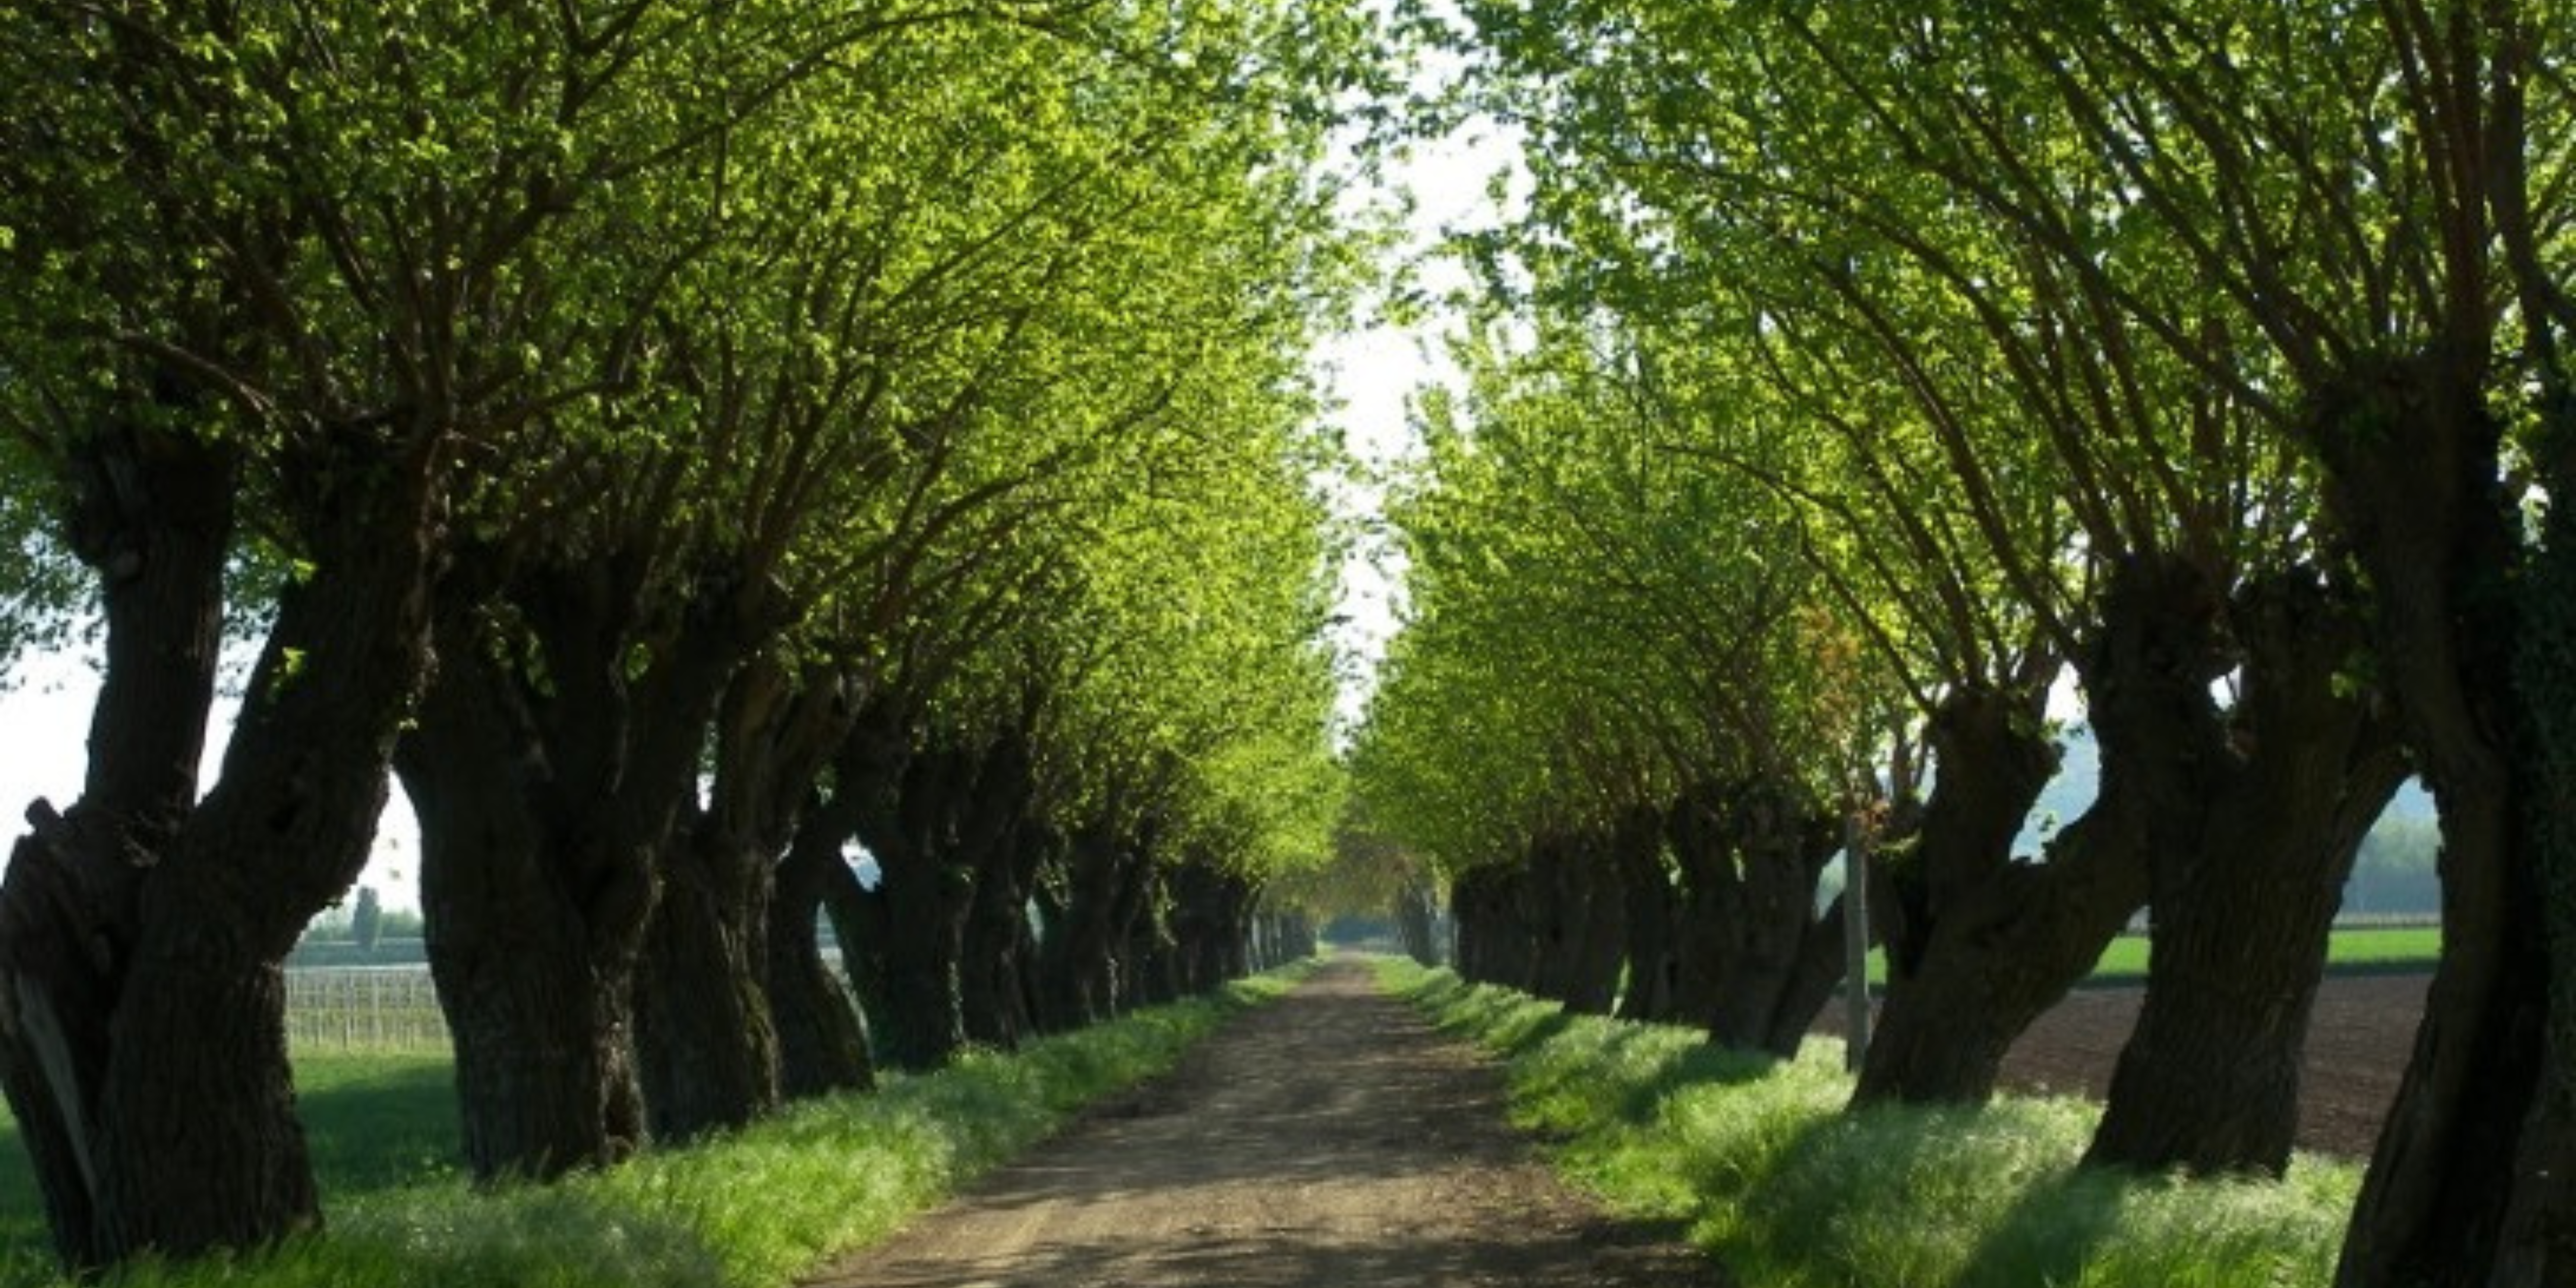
(1374,373)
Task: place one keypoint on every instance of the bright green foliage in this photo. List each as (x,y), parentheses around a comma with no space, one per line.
(759,1207)
(1075,287)
(1782,1187)
(1611,618)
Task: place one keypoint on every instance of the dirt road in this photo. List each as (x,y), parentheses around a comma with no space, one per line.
(1329,1139)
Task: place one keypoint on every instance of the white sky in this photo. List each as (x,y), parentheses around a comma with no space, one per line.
(44,730)
(1375,370)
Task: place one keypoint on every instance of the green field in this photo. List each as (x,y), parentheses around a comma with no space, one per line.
(375,1123)
(2362,950)
(2358,951)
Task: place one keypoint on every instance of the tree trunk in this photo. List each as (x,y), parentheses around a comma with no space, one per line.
(954,815)
(2209,1081)
(1468,899)
(998,1011)
(536,982)
(1080,948)
(704,1043)
(1600,915)
(1820,966)
(1994,759)
(1505,951)
(175,1105)
(822,1048)
(2470,1183)
(822,1035)
(1549,905)
(1646,883)
(154,515)
(547,792)
(1750,855)
(706,1036)
(1199,924)
(1986,945)
(1150,974)
(1415,921)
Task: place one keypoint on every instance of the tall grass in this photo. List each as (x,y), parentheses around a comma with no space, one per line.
(1757,1159)
(753,1208)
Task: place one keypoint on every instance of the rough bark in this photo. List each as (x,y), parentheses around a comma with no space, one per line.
(144,1010)
(1080,949)
(1749,854)
(1205,923)
(2478,1142)
(920,905)
(1646,884)
(154,516)
(822,1033)
(1149,968)
(1599,915)
(706,1038)
(1550,906)
(537,998)
(1995,759)
(1820,967)
(1986,944)
(1495,944)
(705,1047)
(547,794)
(953,815)
(822,1048)
(999,1011)
(1416,922)
(2245,893)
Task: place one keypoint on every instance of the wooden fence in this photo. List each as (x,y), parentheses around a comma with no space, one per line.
(363,1008)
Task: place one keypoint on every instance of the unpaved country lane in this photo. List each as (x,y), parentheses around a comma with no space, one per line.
(1328,1140)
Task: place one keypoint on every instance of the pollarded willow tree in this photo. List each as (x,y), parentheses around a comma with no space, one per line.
(1670,707)
(2270,303)
(645,377)
(2190,561)
(264,303)
(911,328)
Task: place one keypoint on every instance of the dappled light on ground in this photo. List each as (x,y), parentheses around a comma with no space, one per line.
(1329,1139)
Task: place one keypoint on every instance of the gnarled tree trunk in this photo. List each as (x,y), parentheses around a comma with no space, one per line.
(1750,854)
(705,1036)
(822,1047)
(1982,944)
(1646,884)
(998,1009)
(545,800)
(1080,950)
(2245,895)
(142,1026)
(705,1048)
(2470,1182)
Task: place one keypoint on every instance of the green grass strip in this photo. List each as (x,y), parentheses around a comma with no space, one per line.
(751,1209)
(1759,1161)
(2352,950)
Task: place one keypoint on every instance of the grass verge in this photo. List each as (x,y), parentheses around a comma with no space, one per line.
(1758,1160)
(751,1209)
